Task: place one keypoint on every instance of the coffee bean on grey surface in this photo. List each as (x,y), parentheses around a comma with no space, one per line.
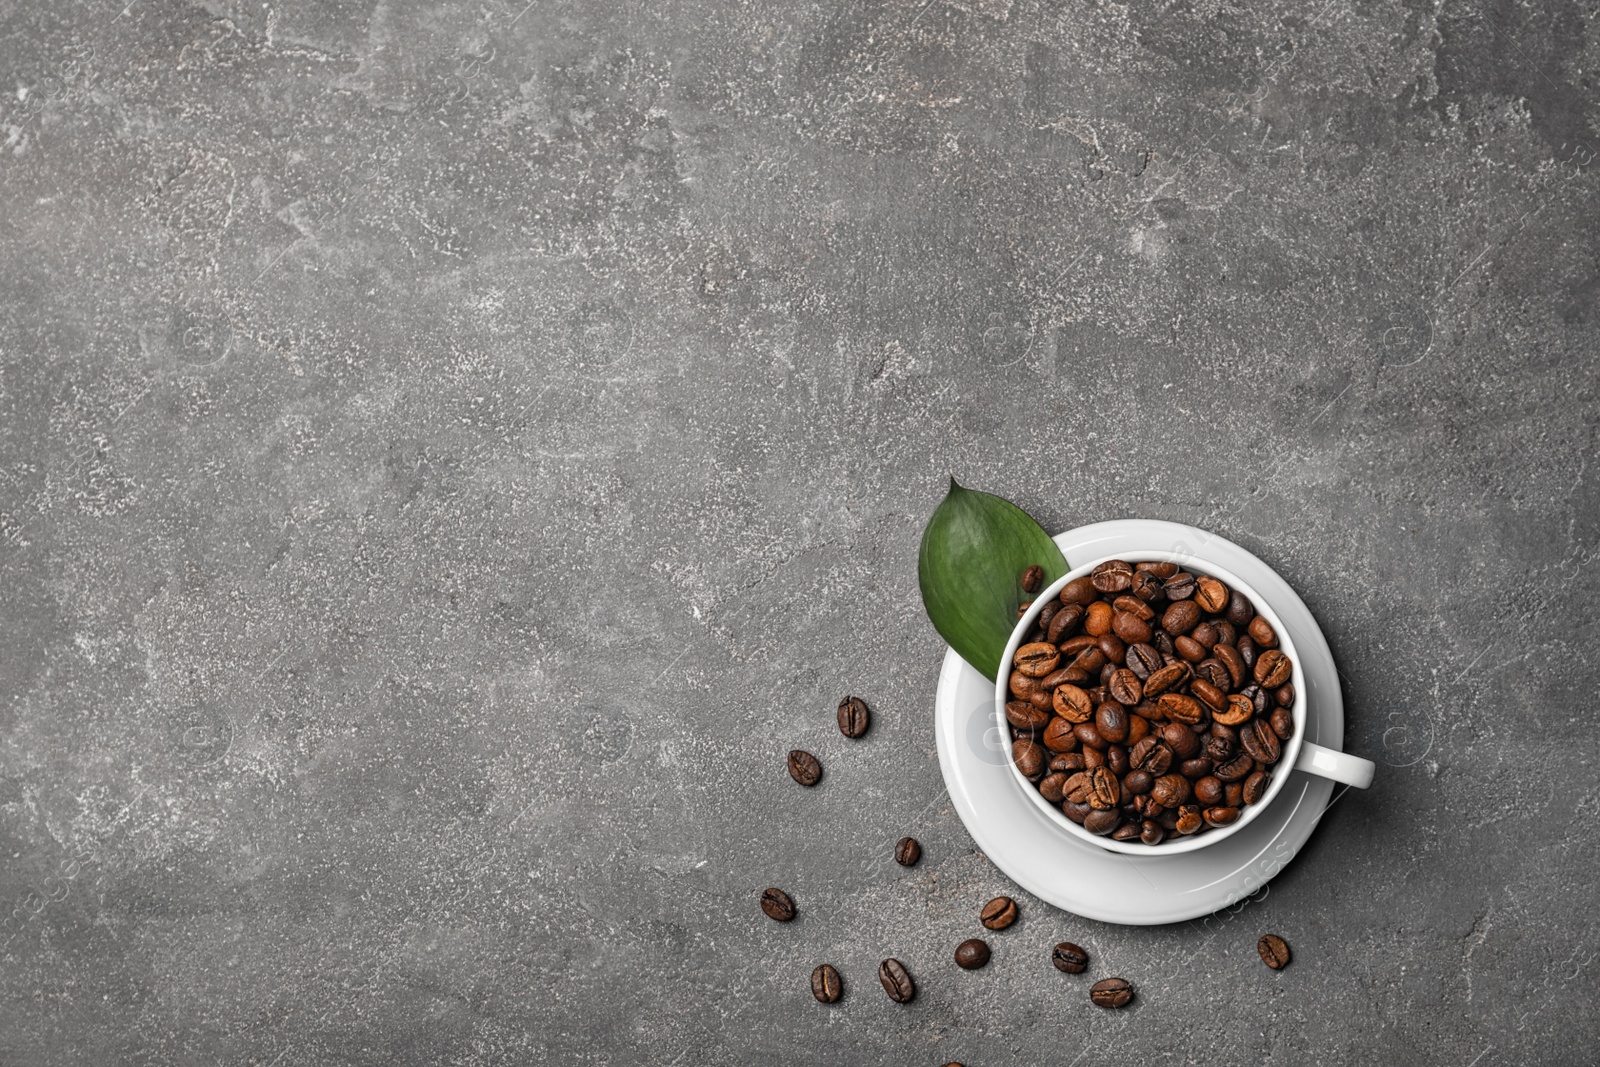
(804,768)
(1069,958)
(999,913)
(1183,683)
(825,983)
(1274,951)
(907,851)
(972,954)
(854,718)
(896,981)
(1112,992)
(777,905)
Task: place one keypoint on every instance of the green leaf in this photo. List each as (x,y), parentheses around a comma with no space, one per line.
(974,551)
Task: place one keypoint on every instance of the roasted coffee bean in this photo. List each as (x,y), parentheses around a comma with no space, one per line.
(1111,719)
(1283,723)
(1208,694)
(1069,958)
(1024,716)
(1079,591)
(1117,760)
(1239,710)
(1198,767)
(1032,579)
(972,954)
(1060,676)
(1208,790)
(777,905)
(1161,568)
(1130,627)
(1022,687)
(1072,703)
(1112,993)
(1260,701)
(1151,755)
(1029,757)
(1221,816)
(1248,652)
(1233,663)
(1180,707)
(1037,660)
(1212,671)
(1104,791)
(1274,951)
(1050,786)
(1090,660)
(1189,648)
(1226,634)
(1180,617)
(1180,586)
(1128,831)
(1040,699)
(1205,634)
(1220,742)
(804,768)
(1257,738)
(1151,833)
(1181,740)
(1166,818)
(1233,794)
(896,981)
(1171,790)
(825,984)
(1262,633)
(1076,812)
(1240,609)
(998,914)
(1236,769)
(1284,695)
(1064,623)
(1113,576)
(1146,587)
(1048,612)
(1211,594)
(1089,736)
(1167,679)
(1137,783)
(1138,727)
(1255,787)
(1163,643)
(1143,660)
(1094,757)
(1097,618)
(1133,606)
(1058,735)
(1189,819)
(907,851)
(1272,669)
(1069,763)
(1112,648)
(854,718)
(1125,687)
(1102,822)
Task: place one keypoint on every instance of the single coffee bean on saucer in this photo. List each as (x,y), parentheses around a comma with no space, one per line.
(777,905)
(999,913)
(1112,993)
(854,718)
(1274,951)
(907,852)
(896,981)
(805,768)
(972,954)
(1069,958)
(825,984)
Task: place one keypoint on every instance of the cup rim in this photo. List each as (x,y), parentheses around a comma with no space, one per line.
(1172,845)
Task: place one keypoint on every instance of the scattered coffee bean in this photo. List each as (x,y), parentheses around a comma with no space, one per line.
(825,984)
(972,954)
(1069,958)
(804,768)
(1274,951)
(1032,579)
(907,851)
(896,981)
(1112,993)
(998,914)
(777,905)
(854,718)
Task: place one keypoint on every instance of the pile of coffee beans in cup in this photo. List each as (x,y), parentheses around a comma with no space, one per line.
(1150,702)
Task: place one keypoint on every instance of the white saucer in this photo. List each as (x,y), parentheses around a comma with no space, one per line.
(1090,881)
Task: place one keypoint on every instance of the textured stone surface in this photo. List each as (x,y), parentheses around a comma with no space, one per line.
(450,452)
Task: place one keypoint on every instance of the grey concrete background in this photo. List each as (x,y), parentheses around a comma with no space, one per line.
(450,452)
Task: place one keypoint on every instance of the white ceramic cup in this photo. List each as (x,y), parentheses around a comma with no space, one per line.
(1298,753)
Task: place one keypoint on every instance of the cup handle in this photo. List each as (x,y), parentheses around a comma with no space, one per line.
(1331,763)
